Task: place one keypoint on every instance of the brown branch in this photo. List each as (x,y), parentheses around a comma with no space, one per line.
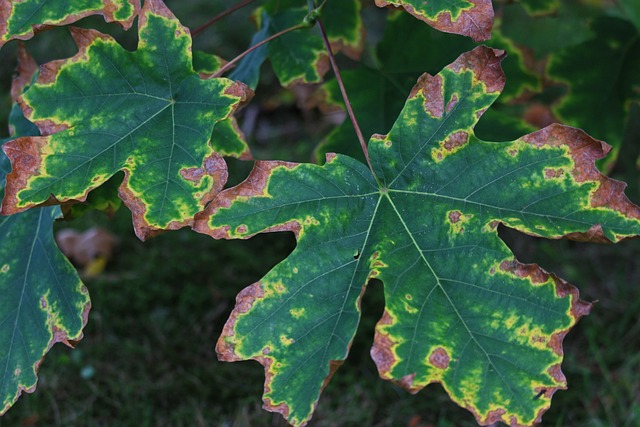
(219,16)
(345,97)
(231,63)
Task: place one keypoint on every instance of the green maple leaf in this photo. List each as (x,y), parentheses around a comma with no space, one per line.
(19,19)
(540,7)
(147,113)
(609,65)
(377,94)
(300,56)
(43,300)
(473,18)
(460,309)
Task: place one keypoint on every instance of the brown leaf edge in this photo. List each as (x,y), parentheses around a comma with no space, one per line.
(584,151)
(27,68)
(57,336)
(24,153)
(384,358)
(475,22)
(255,185)
(225,349)
(107,13)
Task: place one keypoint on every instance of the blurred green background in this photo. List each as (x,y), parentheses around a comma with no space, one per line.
(148,356)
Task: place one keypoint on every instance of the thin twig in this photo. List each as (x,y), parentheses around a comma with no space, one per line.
(345,97)
(231,63)
(219,16)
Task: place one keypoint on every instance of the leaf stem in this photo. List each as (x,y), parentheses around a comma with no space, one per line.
(231,63)
(219,16)
(345,96)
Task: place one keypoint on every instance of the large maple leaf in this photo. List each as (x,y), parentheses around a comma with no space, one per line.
(460,310)
(43,299)
(146,112)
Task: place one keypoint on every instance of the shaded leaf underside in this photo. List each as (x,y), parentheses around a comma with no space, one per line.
(460,310)
(300,56)
(146,112)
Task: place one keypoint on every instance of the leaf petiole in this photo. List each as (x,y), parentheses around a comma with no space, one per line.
(345,96)
(231,63)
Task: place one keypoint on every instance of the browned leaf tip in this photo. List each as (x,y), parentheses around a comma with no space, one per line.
(579,308)
(110,9)
(255,185)
(431,88)
(5,12)
(584,151)
(241,91)
(353,52)
(25,71)
(537,275)
(25,156)
(475,22)
(157,7)
(108,12)
(484,62)
(225,347)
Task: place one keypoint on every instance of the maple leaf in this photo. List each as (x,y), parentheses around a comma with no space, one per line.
(472,18)
(43,300)
(612,56)
(300,56)
(377,93)
(146,112)
(19,19)
(540,7)
(460,310)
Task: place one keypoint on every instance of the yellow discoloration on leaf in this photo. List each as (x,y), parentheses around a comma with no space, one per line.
(286,341)
(309,220)
(511,320)
(454,143)
(298,312)
(522,330)
(410,309)
(375,263)
(240,230)
(457,221)
(471,386)
(271,289)
(5,269)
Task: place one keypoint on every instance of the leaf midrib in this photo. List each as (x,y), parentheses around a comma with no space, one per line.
(25,283)
(451,302)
